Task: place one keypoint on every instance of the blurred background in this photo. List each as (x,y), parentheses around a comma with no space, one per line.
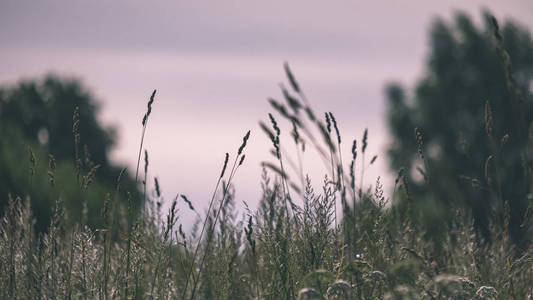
(214,64)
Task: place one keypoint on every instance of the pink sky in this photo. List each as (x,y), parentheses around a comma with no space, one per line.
(214,63)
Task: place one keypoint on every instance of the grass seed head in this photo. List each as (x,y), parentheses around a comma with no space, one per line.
(294,104)
(334,121)
(328,122)
(326,137)
(267,130)
(275,140)
(244,141)
(354,150)
(149,111)
(242,160)
(189,203)
(295,132)
(157,189)
(225,165)
(291,78)
(274,124)
(89,178)
(310,113)
(365,137)
(145,161)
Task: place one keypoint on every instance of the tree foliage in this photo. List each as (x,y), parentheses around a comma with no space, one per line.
(36,120)
(471,108)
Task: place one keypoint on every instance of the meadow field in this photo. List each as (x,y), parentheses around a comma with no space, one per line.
(342,238)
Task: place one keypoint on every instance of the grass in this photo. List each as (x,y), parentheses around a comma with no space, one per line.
(295,245)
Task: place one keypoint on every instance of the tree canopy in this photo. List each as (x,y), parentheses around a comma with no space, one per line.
(38,153)
(469,108)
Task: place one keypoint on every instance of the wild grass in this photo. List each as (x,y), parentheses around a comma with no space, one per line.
(295,245)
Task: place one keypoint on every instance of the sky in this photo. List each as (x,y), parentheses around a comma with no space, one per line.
(215,63)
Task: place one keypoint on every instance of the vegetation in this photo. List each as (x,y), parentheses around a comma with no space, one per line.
(471,75)
(296,245)
(36,118)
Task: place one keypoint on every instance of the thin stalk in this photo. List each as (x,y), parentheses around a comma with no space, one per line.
(144,124)
(84,267)
(286,191)
(203,226)
(71,262)
(362,176)
(128,247)
(140,151)
(335,199)
(233,170)
(232,173)
(105,259)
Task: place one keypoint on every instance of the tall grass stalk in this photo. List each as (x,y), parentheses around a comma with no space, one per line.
(240,158)
(203,227)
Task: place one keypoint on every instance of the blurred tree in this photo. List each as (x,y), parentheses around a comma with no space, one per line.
(43,111)
(465,85)
(40,114)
